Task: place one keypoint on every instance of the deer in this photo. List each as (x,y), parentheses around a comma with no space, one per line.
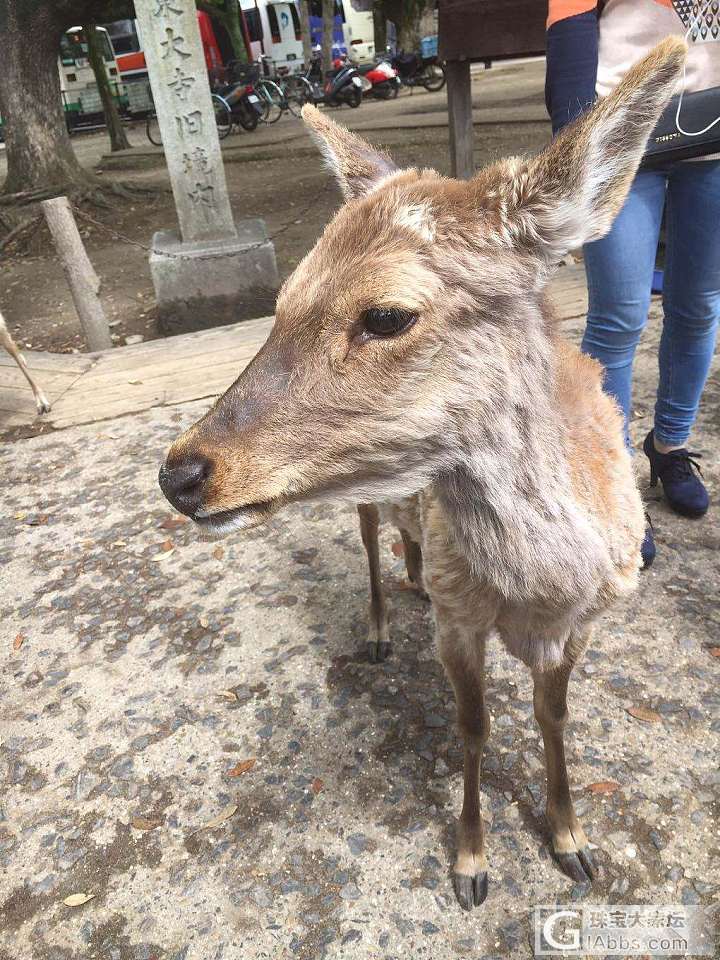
(406,518)
(430,367)
(6,341)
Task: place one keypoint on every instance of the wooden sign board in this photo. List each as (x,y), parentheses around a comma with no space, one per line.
(491,29)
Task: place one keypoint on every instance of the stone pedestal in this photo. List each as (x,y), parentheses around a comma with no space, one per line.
(212,271)
(208,283)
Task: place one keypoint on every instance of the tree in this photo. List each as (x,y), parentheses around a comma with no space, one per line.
(406,15)
(306,32)
(39,154)
(328,24)
(113,122)
(38,147)
(227,12)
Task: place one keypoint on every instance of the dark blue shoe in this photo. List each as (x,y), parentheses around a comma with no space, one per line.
(684,490)
(647,550)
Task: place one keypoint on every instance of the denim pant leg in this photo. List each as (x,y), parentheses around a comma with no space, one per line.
(691,297)
(619,272)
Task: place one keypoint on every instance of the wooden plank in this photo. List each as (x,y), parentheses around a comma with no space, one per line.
(194,345)
(71,363)
(460,119)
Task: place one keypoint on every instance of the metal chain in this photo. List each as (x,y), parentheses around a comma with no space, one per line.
(208,256)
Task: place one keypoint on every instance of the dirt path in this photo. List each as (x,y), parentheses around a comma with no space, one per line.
(33,293)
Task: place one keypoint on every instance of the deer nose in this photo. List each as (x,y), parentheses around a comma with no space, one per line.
(183,483)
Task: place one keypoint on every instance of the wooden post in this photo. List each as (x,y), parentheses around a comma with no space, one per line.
(82,279)
(460,118)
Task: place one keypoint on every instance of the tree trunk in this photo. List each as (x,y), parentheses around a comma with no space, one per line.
(380,25)
(328,19)
(39,153)
(115,128)
(230,16)
(406,14)
(306,32)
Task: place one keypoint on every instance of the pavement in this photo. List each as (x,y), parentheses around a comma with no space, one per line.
(193,737)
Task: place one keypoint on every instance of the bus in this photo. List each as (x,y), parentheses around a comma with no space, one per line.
(127,45)
(80,94)
(271,28)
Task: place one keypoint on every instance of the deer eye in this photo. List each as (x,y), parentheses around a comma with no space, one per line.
(386,321)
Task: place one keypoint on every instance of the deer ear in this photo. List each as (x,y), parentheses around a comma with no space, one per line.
(357,166)
(571,193)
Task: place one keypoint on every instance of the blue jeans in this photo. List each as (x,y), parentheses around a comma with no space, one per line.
(619,272)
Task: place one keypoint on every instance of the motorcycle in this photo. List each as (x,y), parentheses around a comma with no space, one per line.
(414,70)
(240,101)
(343,85)
(383,79)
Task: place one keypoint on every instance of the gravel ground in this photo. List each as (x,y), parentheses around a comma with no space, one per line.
(191,731)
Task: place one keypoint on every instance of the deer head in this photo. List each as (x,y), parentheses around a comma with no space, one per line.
(421,301)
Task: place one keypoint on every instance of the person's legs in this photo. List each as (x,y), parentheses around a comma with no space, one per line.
(691,304)
(619,272)
(691,298)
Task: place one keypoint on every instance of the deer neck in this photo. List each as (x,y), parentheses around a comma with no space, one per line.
(509,500)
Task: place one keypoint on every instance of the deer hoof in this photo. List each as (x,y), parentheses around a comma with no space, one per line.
(579,866)
(470,891)
(378,650)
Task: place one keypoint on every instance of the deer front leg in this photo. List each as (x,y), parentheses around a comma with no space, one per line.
(568,837)
(463,657)
(41,401)
(378,636)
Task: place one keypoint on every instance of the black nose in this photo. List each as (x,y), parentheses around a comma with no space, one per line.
(184,482)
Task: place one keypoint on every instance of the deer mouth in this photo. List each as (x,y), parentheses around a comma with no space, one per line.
(237,518)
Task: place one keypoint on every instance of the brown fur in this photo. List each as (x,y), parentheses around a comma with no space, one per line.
(530,518)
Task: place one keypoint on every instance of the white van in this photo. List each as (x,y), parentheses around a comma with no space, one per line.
(274,30)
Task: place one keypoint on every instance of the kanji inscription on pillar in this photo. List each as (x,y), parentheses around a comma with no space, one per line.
(181,91)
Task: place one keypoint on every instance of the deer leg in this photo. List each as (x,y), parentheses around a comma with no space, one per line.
(568,837)
(413,562)
(41,401)
(378,637)
(464,660)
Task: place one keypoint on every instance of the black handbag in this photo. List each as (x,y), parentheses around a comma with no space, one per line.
(697,111)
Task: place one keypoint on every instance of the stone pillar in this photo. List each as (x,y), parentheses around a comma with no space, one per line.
(213,271)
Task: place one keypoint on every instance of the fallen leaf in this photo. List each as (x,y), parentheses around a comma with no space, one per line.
(317,785)
(224,815)
(38,520)
(173,522)
(714,651)
(18,641)
(228,695)
(167,545)
(604,787)
(240,768)
(78,899)
(163,555)
(143,823)
(398,548)
(20,516)
(644,714)
(218,553)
